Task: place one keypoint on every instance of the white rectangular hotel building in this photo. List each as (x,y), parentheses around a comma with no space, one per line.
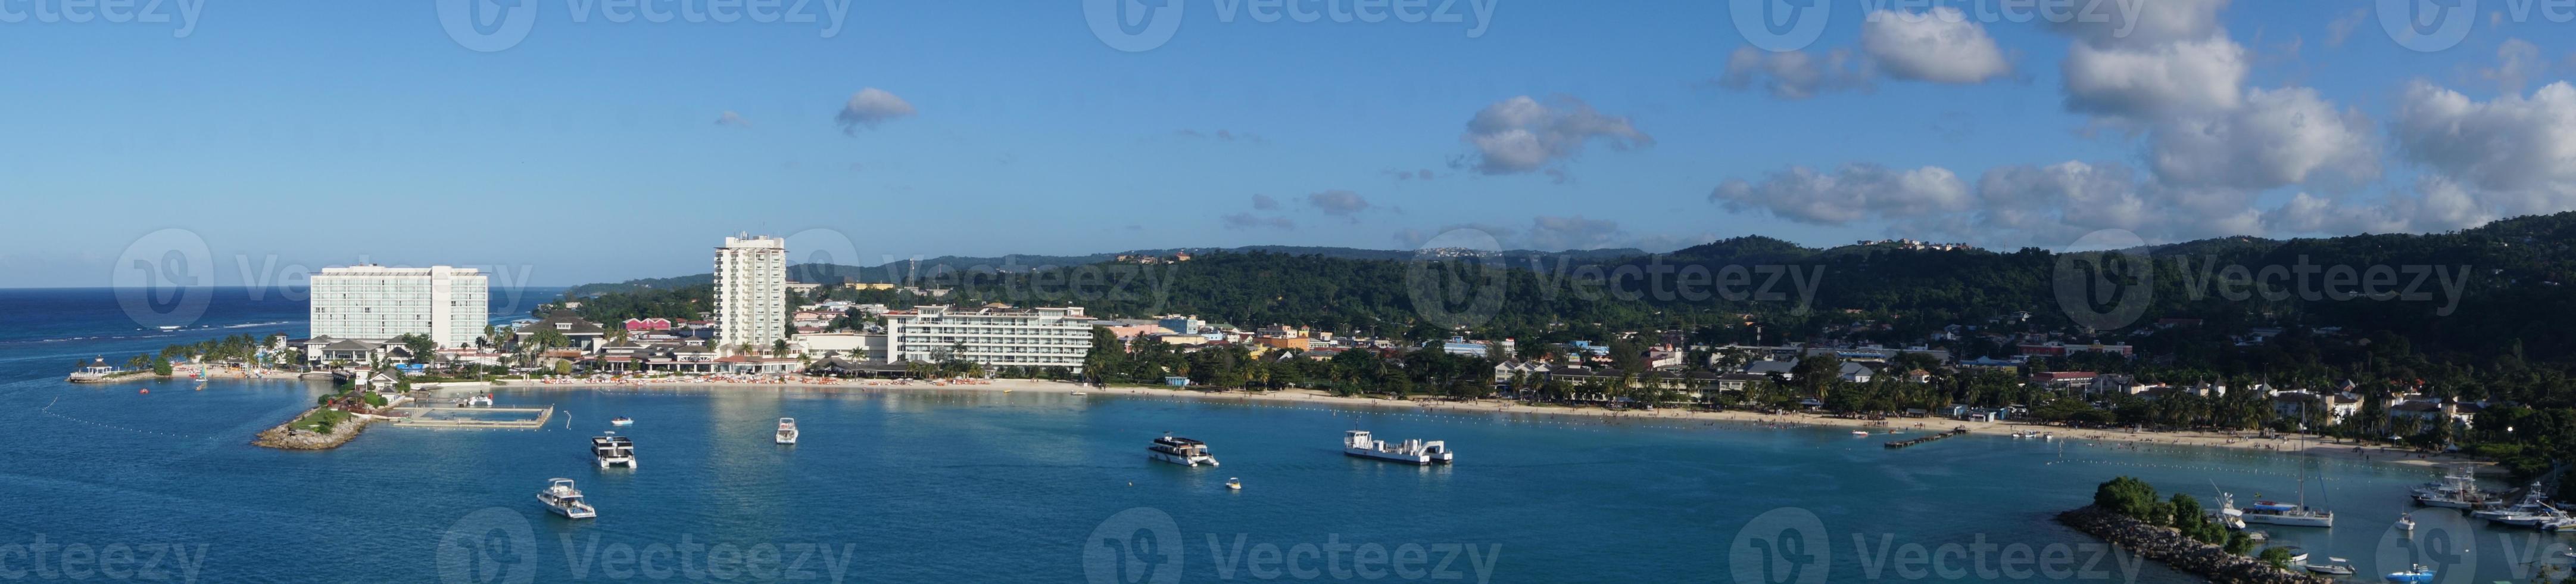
(377,303)
(751,294)
(994,337)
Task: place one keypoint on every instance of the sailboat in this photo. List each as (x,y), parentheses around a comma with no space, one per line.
(2298,515)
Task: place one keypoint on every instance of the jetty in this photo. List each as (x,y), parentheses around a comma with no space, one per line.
(1960,431)
(474,417)
(2169,546)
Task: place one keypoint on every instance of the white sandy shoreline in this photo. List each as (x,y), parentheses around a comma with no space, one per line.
(2299,445)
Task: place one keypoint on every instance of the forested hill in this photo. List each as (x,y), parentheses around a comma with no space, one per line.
(896,271)
(2509,278)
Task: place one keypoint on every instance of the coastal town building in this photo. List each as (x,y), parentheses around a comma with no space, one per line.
(751,294)
(448,305)
(993,335)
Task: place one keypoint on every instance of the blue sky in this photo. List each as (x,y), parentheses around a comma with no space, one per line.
(324,133)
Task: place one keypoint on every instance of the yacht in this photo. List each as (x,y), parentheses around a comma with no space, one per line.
(1180,451)
(2534,504)
(2457,490)
(2228,515)
(2294,515)
(1360,444)
(613,451)
(564,500)
(786,430)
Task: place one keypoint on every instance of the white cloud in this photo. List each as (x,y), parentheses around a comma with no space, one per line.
(870,107)
(2517,61)
(2514,155)
(1850,193)
(1521,135)
(1340,203)
(2279,137)
(1940,46)
(1250,221)
(2151,81)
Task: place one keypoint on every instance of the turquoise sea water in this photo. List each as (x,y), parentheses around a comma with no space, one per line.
(978,486)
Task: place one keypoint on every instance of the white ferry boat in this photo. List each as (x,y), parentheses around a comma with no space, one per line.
(1180,451)
(613,451)
(786,430)
(97,371)
(1360,444)
(564,500)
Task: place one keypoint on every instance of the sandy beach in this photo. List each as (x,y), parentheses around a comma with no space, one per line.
(2309,445)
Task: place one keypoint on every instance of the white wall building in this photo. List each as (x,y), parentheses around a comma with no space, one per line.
(376,303)
(992,336)
(751,294)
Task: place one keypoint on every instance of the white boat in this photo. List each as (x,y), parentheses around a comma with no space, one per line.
(564,500)
(1233,484)
(97,371)
(2418,574)
(2533,508)
(2333,567)
(621,421)
(2230,517)
(2294,515)
(613,451)
(1180,451)
(1860,433)
(2457,490)
(2406,523)
(786,430)
(1360,444)
(2298,555)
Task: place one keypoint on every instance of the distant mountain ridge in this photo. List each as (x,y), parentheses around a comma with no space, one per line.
(896,271)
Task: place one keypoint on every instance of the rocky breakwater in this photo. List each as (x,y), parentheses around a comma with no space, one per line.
(298,434)
(2169,546)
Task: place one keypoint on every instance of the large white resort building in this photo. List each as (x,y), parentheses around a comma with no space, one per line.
(376,303)
(993,336)
(751,294)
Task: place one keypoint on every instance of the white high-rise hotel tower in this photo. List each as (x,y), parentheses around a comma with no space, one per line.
(377,303)
(751,294)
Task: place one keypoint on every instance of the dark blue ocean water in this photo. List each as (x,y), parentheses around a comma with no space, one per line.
(976,486)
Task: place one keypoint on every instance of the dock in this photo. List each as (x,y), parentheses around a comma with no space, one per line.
(474,417)
(1905,443)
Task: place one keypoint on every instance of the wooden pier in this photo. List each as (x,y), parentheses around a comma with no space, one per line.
(1904,443)
(467,418)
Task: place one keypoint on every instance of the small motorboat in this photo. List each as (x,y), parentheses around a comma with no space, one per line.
(2406,523)
(1860,432)
(2332,567)
(2418,574)
(561,498)
(2298,555)
(786,430)
(1233,484)
(621,421)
